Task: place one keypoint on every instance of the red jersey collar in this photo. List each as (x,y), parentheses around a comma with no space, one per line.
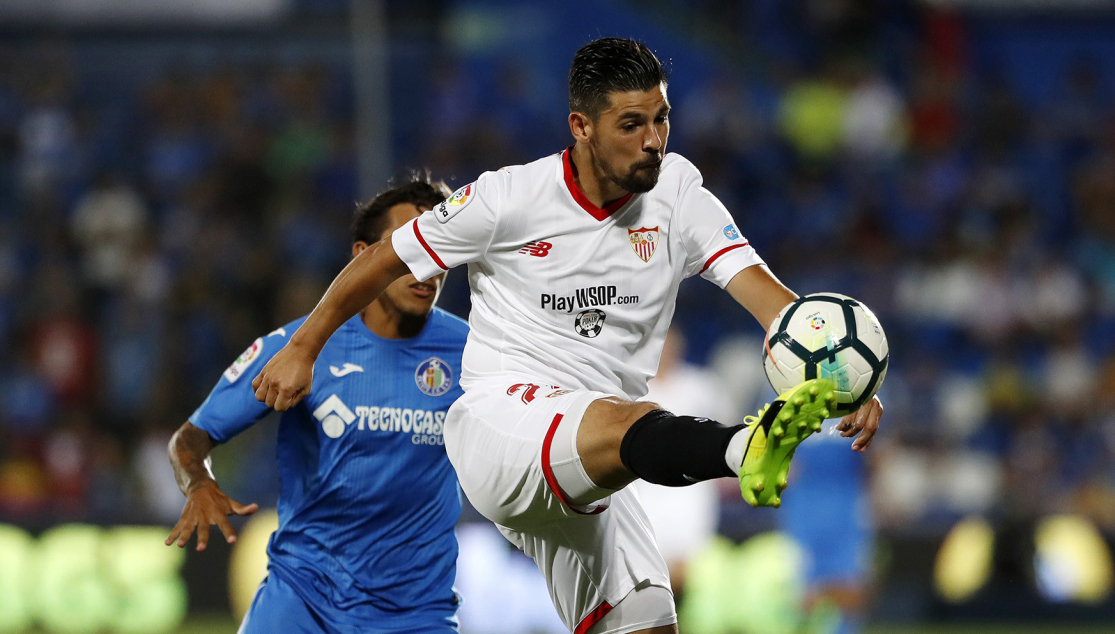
(579,196)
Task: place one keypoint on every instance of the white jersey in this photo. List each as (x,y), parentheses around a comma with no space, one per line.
(563,291)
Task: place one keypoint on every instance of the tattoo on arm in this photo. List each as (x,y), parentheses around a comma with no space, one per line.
(189,455)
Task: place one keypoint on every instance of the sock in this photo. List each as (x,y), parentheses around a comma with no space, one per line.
(737,447)
(677,451)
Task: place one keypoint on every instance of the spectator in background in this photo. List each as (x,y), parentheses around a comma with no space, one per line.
(176,151)
(1076,112)
(812,116)
(29,405)
(874,127)
(63,343)
(935,116)
(48,151)
(108,226)
(829,516)
(1094,194)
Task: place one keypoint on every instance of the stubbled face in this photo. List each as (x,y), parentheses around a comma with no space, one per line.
(628,139)
(407,294)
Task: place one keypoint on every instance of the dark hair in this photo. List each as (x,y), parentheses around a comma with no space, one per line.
(370,218)
(610,64)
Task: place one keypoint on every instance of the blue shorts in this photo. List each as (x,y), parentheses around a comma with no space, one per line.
(278,608)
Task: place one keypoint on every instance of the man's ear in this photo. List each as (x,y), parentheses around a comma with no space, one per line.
(358,246)
(581,126)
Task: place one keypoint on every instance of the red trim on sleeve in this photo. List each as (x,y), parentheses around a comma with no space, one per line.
(593,618)
(433,255)
(551,481)
(720,253)
(579,196)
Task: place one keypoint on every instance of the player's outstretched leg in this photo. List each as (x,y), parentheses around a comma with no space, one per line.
(618,441)
(775,433)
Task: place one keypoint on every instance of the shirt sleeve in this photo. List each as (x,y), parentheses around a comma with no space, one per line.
(232,406)
(457,231)
(715,249)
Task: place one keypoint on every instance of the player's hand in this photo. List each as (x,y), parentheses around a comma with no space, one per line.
(864,421)
(207,505)
(285,379)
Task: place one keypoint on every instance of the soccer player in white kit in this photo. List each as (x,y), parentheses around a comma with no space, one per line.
(574,263)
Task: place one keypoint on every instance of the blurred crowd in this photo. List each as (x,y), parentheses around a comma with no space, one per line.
(146,238)
(151,228)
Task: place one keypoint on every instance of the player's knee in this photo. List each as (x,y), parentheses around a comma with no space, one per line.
(600,435)
(615,416)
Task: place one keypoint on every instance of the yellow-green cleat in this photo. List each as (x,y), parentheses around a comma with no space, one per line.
(774,435)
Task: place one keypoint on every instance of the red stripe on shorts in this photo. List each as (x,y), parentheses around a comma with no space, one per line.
(433,255)
(548,473)
(593,618)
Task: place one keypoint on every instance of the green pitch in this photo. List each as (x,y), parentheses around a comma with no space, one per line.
(981,628)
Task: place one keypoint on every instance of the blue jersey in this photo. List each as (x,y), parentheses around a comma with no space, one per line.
(368,498)
(826,508)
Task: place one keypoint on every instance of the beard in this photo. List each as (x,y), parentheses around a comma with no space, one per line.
(412,318)
(639,179)
(410,324)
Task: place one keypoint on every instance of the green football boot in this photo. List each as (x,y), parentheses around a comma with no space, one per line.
(774,435)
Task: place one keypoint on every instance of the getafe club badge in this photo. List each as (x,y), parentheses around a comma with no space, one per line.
(644,241)
(588,323)
(434,377)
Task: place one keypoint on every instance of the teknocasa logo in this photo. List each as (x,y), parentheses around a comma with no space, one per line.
(334,416)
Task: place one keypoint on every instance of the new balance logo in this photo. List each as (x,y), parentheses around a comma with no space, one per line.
(348,368)
(538,249)
(334,416)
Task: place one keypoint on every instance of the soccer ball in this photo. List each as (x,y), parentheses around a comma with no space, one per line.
(828,336)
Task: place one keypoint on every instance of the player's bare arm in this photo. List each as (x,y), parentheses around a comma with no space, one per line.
(206,504)
(286,378)
(760,292)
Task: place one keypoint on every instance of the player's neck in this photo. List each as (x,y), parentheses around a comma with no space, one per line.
(598,188)
(386,320)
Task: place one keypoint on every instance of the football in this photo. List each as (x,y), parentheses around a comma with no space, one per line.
(830,336)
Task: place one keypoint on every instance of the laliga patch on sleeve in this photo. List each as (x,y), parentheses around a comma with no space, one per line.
(244,361)
(449,207)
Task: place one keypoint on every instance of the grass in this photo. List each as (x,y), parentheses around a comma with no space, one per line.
(980,628)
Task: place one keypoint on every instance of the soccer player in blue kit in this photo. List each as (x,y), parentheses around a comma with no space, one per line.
(831,491)
(368,499)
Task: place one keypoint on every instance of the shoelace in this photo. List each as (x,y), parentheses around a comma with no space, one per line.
(751,420)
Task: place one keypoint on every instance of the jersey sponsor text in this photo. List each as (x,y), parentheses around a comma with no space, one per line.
(585,298)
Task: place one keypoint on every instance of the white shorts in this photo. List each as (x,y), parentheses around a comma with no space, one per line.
(507,441)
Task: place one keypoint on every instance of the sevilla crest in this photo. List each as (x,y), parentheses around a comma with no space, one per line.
(644,241)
